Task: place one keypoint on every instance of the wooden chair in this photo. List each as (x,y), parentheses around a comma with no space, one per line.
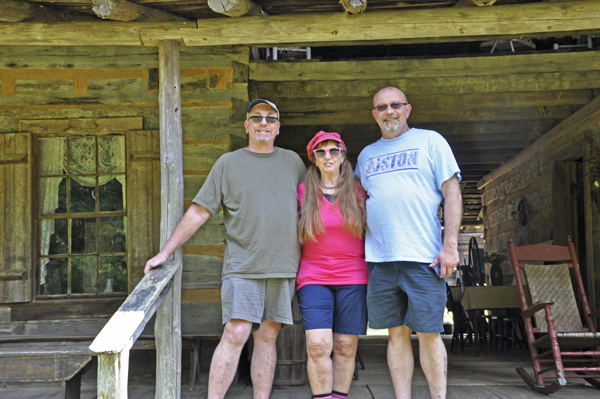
(560,346)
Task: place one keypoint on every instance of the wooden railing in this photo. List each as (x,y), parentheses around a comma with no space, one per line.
(113,343)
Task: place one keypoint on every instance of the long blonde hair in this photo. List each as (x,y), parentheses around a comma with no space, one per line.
(353,209)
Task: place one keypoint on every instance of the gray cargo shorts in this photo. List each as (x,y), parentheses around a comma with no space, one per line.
(257,300)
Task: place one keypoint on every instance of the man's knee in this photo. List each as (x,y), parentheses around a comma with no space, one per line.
(268,331)
(429,338)
(400,332)
(236,332)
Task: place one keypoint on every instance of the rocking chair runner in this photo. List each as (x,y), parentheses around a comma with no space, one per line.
(559,330)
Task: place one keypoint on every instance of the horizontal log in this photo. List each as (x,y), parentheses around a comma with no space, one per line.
(439,101)
(354,6)
(397,26)
(432,85)
(122,10)
(473,65)
(429,115)
(101,33)
(19,10)
(236,8)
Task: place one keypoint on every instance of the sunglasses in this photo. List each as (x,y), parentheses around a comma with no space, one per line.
(334,152)
(258,118)
(383,107)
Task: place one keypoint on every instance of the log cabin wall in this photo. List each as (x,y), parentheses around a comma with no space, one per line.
(88,86)
(548,192)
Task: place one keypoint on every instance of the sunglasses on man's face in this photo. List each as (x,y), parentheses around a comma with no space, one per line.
(334,152)
(258,118)
(383,107)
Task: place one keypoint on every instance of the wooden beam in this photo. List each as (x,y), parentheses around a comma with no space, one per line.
(236,8)
(354,6)
(100,33)
(393,26)
(19,10)
(168,318)
(579,122)
(122,10)
(473,65)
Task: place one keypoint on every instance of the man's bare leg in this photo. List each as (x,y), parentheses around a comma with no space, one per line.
(344,361)
(319,344)
(434,362)
(264,358)
(226,357)
(401,361)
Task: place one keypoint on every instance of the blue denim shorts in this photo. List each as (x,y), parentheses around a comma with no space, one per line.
(406,294)
(341,308)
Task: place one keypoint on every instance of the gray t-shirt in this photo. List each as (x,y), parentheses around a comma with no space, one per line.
(260,211)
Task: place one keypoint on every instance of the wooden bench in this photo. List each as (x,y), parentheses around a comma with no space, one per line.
(46,361)
(64,359)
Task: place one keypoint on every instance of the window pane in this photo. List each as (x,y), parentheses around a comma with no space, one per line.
(83,236)
(83,195)
(113,274)
(112,235)
(53,152)
(111,154)
(111,194)
(54,276)
(53,195)
(82,156)
(54,237)
(83,275)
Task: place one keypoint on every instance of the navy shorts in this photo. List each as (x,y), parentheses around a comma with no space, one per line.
(340,308)
(406,294)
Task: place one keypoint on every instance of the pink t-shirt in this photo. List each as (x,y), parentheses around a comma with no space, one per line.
(338,257)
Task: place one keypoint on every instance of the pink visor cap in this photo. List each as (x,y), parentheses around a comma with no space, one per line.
(320,137)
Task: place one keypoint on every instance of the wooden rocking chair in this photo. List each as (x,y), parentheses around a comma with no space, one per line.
(568,349)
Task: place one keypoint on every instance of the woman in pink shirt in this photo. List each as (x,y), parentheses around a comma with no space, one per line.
(332,278)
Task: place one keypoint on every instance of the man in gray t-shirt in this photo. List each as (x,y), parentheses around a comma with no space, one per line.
(256,189)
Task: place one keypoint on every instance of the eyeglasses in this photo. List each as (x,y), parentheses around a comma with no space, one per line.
(383,107)
(334,152)
(258,118)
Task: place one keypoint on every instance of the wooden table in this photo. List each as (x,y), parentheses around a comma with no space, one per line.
(477,299)
(492,297)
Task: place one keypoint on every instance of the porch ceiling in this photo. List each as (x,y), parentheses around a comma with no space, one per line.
(488,106)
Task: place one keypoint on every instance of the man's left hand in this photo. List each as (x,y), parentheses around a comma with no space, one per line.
(448,257)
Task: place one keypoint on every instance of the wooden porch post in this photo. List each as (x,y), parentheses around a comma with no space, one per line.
(168,317)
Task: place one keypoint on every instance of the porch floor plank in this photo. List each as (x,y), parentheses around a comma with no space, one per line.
(487,376)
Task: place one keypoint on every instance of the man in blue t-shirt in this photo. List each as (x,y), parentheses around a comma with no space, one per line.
(407,173)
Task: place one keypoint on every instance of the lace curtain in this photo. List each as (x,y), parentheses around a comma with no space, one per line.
(82,154)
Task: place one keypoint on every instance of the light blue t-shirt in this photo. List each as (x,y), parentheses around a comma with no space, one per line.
(403,178)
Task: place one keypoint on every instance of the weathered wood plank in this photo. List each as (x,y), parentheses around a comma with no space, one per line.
(54,363)
(142,193)
(399,26)
(81,125)
(17,222)
(126,325)
(201,271)
(432,85)
(168,318)
(476,65)
(576,124)
(564,202)
(123,57)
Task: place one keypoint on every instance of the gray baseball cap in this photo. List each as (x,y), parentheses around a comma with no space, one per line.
(261,101)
